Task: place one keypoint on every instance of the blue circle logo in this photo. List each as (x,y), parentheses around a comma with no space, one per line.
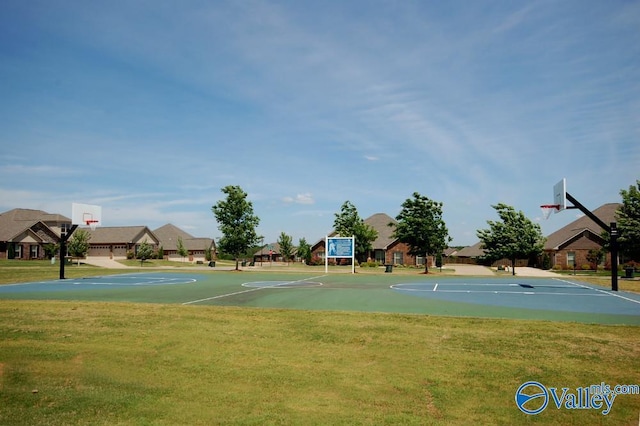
(532,398)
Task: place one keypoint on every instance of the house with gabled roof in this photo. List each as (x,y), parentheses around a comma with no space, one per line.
(570,245)
(116,241)
(386,249)
(169,235)
(24,233)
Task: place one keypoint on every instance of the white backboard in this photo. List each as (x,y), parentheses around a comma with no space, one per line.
(86,215)
(560,195)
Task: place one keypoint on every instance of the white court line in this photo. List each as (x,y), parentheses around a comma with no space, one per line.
(435,287)
(250,290)
(601,291)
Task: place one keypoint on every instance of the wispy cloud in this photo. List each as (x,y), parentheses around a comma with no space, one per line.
(306,198)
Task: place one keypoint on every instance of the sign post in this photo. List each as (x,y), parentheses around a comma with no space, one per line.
(340,247)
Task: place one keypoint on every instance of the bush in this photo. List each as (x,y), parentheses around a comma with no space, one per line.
(557,267)
(369,264)
(130,255)
(586,267)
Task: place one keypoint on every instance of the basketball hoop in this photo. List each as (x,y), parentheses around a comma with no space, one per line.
(93,224)
(548,208)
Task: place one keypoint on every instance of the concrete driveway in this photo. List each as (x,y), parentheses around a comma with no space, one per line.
(479,270)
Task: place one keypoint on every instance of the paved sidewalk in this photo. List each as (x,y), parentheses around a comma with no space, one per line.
(103,262)
(521,271)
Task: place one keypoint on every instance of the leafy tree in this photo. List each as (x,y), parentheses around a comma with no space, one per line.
(78,245)
(181,249)
(286,246)
(348,223)
(595,256)
(208,254)
(304,251)
(515,236)
(145,250)
(629,222)
(237,222)
(51,249)
(160,254)
(421,227)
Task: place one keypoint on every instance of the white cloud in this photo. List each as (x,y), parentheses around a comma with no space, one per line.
(306,198)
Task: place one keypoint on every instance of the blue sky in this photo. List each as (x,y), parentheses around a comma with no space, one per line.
(149,108)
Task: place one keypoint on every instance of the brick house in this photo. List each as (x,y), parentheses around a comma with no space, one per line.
(386,249)
(116,241)
(24,233)
(168,239)
(565,246)
(571,244)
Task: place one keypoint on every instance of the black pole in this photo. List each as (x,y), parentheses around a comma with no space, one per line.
(64,236)
(613,242)
(613,239)
(63,253)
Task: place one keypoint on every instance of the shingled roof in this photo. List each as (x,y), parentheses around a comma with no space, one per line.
(606,213)
(380,222)
(117,234)
(15,221)
(168,235)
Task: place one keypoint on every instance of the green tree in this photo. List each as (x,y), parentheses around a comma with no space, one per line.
(595,256)
(145,250)
(304,250)
(208,254)
(78,245)
(421,227)
(286,246)
(181,250)
(629,222)
(237,222)
(51,249)
(348,223)
(513,237)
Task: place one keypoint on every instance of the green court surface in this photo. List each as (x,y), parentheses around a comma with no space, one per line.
(491,297)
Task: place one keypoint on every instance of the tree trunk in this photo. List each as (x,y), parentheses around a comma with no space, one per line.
(237,264)
(513,266)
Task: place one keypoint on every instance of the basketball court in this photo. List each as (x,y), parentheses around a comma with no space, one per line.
(543,298)
(489,297)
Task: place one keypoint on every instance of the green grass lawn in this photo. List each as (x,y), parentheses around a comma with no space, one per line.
(72,362)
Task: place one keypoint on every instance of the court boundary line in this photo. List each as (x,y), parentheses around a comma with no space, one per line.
(93,280)
(428,289)
(221,296)
(606,293)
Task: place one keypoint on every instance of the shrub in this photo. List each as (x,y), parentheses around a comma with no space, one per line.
(130,255)
(586,267)
(369,264)
(557,267)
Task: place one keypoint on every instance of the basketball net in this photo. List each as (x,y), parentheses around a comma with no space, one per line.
(92,224)
(547,209)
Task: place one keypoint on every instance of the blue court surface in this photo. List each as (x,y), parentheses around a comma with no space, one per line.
(504,297)
(549,294)
(92,283)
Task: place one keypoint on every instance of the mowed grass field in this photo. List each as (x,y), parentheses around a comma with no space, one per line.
(79,362)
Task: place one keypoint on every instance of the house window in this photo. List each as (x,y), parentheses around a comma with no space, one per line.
(17,250)
(420,260)
(34,251)
(397,258)
(571,258)
(380,256)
